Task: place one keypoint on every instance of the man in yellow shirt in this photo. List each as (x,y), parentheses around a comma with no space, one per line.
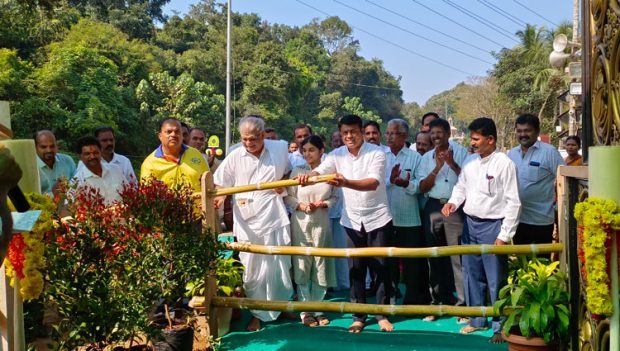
(173,162)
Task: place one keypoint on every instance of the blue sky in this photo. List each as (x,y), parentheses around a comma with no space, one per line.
(392,35)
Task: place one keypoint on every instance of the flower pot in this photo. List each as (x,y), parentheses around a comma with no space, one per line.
(181,339)
(522,343)
(223,315)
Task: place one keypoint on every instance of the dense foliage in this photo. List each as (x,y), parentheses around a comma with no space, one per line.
(109,266)
(72,65)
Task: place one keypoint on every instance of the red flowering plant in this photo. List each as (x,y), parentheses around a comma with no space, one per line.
(110,265)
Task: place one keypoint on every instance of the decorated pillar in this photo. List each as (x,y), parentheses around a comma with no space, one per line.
(604,183)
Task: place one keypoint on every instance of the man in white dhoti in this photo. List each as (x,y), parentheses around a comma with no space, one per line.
(259,216)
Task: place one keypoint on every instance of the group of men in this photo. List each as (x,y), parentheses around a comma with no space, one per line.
(179,159)
(433,193)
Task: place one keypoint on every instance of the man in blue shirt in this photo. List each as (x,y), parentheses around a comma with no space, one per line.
(55,169)
(537,164)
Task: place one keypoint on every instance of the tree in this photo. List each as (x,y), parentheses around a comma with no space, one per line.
(13,74)
(196,103)
(334,33)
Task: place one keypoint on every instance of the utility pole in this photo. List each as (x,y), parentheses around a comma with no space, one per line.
(228,77)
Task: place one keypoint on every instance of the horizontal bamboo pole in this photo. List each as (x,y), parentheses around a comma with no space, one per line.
(399,252)
(270,185)
(349,307)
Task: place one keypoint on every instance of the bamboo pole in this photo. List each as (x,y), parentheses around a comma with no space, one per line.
(349,307)
(399,252)
(270,185)
(206,188)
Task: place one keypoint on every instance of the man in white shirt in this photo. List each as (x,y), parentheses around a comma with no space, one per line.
(488,187)
(537,165)
(105,135)
(105,178)
(402,189)
(302,131)
(259,216)
(360,169)
(438,173)
(372,134)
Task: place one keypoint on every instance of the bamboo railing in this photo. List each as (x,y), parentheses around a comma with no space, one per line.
(399,252)
(210,301)
(348,307)
(270,185)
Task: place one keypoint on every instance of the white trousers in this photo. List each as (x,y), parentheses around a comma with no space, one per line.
(311,292)
(268,277)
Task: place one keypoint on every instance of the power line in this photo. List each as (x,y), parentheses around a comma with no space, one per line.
(482,20)
(428,27)
(413,33)
(536,13)
(390,42)
(502,13)
(457,23)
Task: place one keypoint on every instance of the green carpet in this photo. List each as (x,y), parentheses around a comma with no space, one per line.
(409,334)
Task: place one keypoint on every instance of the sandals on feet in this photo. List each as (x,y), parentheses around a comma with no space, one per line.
(322,320)
(310,321)
(356,327)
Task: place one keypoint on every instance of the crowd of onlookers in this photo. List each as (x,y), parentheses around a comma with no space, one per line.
(432,192)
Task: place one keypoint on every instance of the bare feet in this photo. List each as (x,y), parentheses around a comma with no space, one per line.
(470,329)
(322,320)
(430,318)
(496,338)
(356,327)
(253,324)
(386,326)
(310,321)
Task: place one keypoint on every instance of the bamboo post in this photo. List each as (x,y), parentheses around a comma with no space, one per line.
(207,189)
(211,310)
(399,252)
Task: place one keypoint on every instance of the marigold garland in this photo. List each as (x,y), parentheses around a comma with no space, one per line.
(25,259)
(598,218)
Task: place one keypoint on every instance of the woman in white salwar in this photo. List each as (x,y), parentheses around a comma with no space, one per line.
(310,226)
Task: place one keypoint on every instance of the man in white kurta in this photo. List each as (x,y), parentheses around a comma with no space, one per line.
(259,216)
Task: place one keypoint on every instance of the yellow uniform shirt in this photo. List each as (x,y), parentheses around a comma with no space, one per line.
(188,170)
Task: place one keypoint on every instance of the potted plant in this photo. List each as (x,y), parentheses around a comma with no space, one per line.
(537,300)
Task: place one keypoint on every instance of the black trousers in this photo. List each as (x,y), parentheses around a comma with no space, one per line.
(415,270)
(533,234)
(378,267)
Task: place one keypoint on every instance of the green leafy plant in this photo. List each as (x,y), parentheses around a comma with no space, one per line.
(228,275)
(537,300)
(109,266)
